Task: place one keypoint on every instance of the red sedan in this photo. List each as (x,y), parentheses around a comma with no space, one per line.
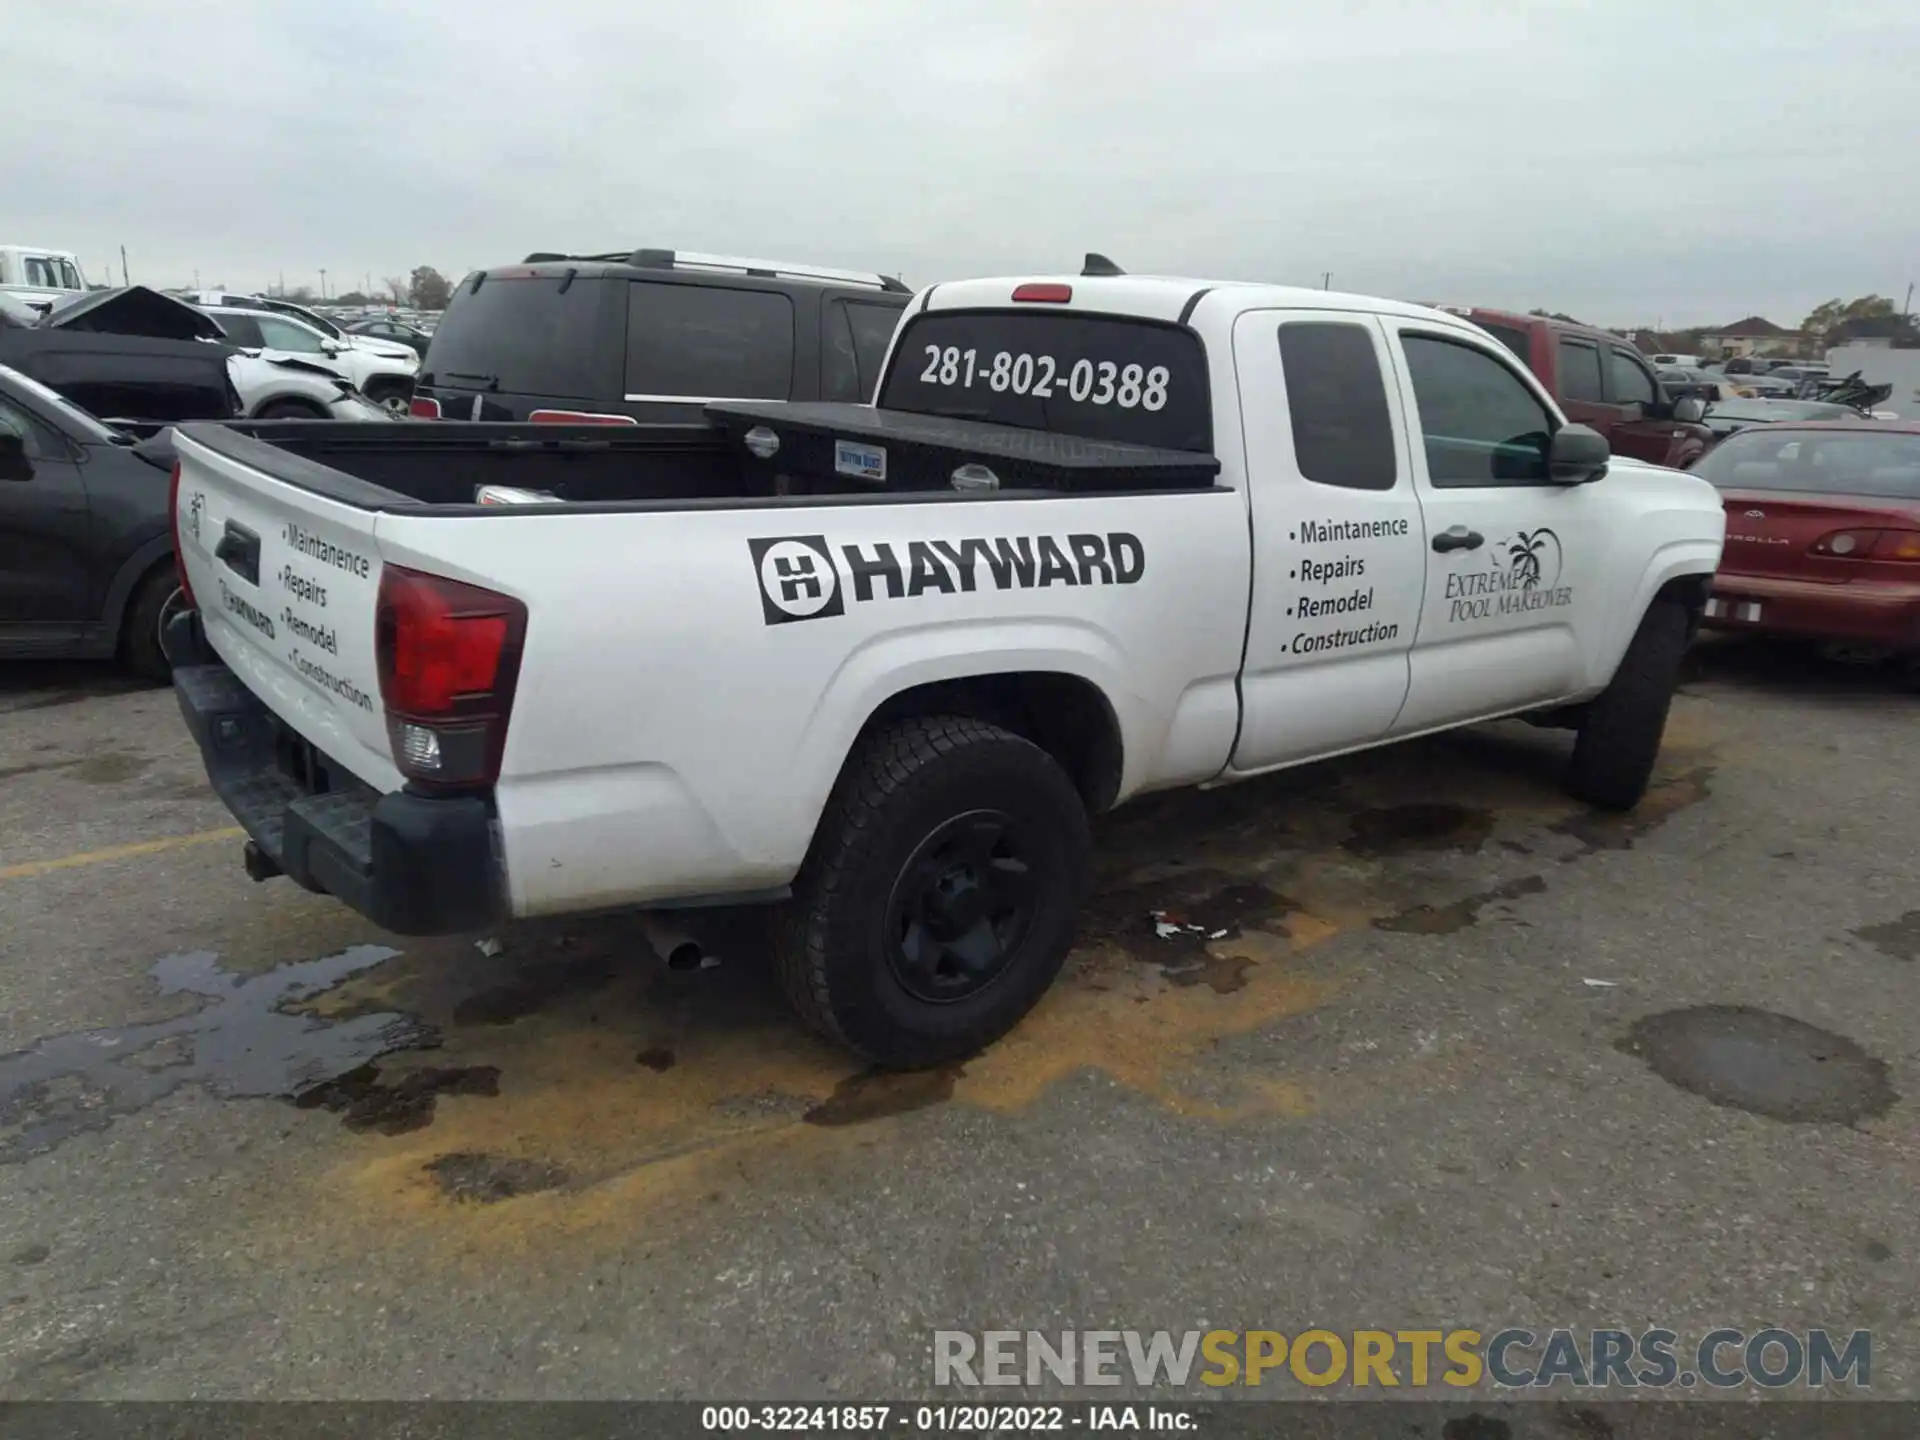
(1823,534)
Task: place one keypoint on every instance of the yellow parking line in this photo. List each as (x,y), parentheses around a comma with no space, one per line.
(117,852)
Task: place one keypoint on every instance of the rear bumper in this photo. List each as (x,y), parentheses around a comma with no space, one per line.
(412,864)
(1883,615)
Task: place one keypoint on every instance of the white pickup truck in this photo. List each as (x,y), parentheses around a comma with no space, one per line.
(1099,535)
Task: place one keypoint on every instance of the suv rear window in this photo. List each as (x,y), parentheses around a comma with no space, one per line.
(521,335)
(709,342)
(1097,377)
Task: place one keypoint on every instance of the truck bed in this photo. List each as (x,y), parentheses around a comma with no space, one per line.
(380,465)
(384,466)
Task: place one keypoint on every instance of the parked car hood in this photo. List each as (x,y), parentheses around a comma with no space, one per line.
(135,310)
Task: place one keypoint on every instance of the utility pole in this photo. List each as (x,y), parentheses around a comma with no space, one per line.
(1326,279)
(323,282)
(1906,305)
(123,266)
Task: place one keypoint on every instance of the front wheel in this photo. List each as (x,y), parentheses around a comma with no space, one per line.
(940,897)
(1620,737)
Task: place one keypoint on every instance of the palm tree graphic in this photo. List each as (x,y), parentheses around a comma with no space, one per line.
(1524,553)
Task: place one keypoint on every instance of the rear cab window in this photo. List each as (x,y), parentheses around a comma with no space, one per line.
(521,334)
(1098,377)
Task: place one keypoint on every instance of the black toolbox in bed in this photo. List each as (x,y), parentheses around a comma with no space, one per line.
(837,447)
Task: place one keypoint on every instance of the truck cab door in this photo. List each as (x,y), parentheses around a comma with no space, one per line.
(45,570)
(1512,578)
(1339,550)
(1646,430)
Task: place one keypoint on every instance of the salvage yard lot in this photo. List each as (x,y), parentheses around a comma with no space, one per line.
(1402,1087)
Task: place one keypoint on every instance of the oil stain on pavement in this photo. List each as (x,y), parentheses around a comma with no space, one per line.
(1897,939)
(241,1043)
(1764,1063)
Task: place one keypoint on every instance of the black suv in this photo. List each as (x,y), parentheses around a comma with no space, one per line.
(652,335)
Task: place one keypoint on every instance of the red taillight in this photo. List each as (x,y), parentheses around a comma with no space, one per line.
(179,559)
(1046,294)
(449,656)
(579,417)
(1897,545)
(423,407)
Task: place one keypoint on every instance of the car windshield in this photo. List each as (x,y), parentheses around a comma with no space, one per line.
(54,400)
(1883,464)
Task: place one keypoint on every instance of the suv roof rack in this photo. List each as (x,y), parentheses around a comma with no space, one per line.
(646,259)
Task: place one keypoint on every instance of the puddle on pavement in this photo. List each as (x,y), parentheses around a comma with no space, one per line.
(1405,829)
(241,1042)
(1457,915)
(878,1094)
(1897,939)
(1764,1063)
(1598,830)
(404,1103)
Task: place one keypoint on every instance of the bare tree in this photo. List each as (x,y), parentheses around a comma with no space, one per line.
(396,286)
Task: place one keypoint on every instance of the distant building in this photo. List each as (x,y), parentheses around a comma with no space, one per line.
(1751,336)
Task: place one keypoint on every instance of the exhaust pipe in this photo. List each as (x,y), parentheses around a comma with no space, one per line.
(676,949)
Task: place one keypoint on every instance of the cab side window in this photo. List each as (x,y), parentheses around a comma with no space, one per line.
(1580,371)
(1337,404)
(1480,423)
(1632,385)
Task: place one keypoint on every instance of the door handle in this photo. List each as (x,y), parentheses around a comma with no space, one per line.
(1458,537)
(239,551)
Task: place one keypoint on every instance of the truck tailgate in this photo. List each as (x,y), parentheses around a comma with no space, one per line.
(287,583)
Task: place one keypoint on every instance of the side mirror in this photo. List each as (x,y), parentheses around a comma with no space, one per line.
(331,347)
(14,464)
(1577,455)
(1689,410)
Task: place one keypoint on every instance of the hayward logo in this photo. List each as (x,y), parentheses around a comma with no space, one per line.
(803,578)
(797,578)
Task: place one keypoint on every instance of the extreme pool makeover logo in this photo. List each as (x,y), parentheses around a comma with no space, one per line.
(1521,573)
(800,578)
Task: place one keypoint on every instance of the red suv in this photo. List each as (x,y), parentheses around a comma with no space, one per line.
(1600,380)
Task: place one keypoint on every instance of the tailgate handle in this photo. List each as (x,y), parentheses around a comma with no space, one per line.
(239,550)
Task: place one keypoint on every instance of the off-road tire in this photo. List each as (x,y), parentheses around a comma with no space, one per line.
(140,650)
(902,783)
(1619,742)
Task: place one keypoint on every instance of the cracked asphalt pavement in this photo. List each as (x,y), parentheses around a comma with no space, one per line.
(1402,1040)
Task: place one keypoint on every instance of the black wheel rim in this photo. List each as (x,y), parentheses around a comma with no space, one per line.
(961,907)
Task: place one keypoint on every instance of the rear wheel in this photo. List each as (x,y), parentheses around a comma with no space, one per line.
(1620,737)
(292,410)
(941,894)
(390,394)
(155,599)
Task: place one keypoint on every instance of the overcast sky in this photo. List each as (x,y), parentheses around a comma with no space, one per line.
(1690,161)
